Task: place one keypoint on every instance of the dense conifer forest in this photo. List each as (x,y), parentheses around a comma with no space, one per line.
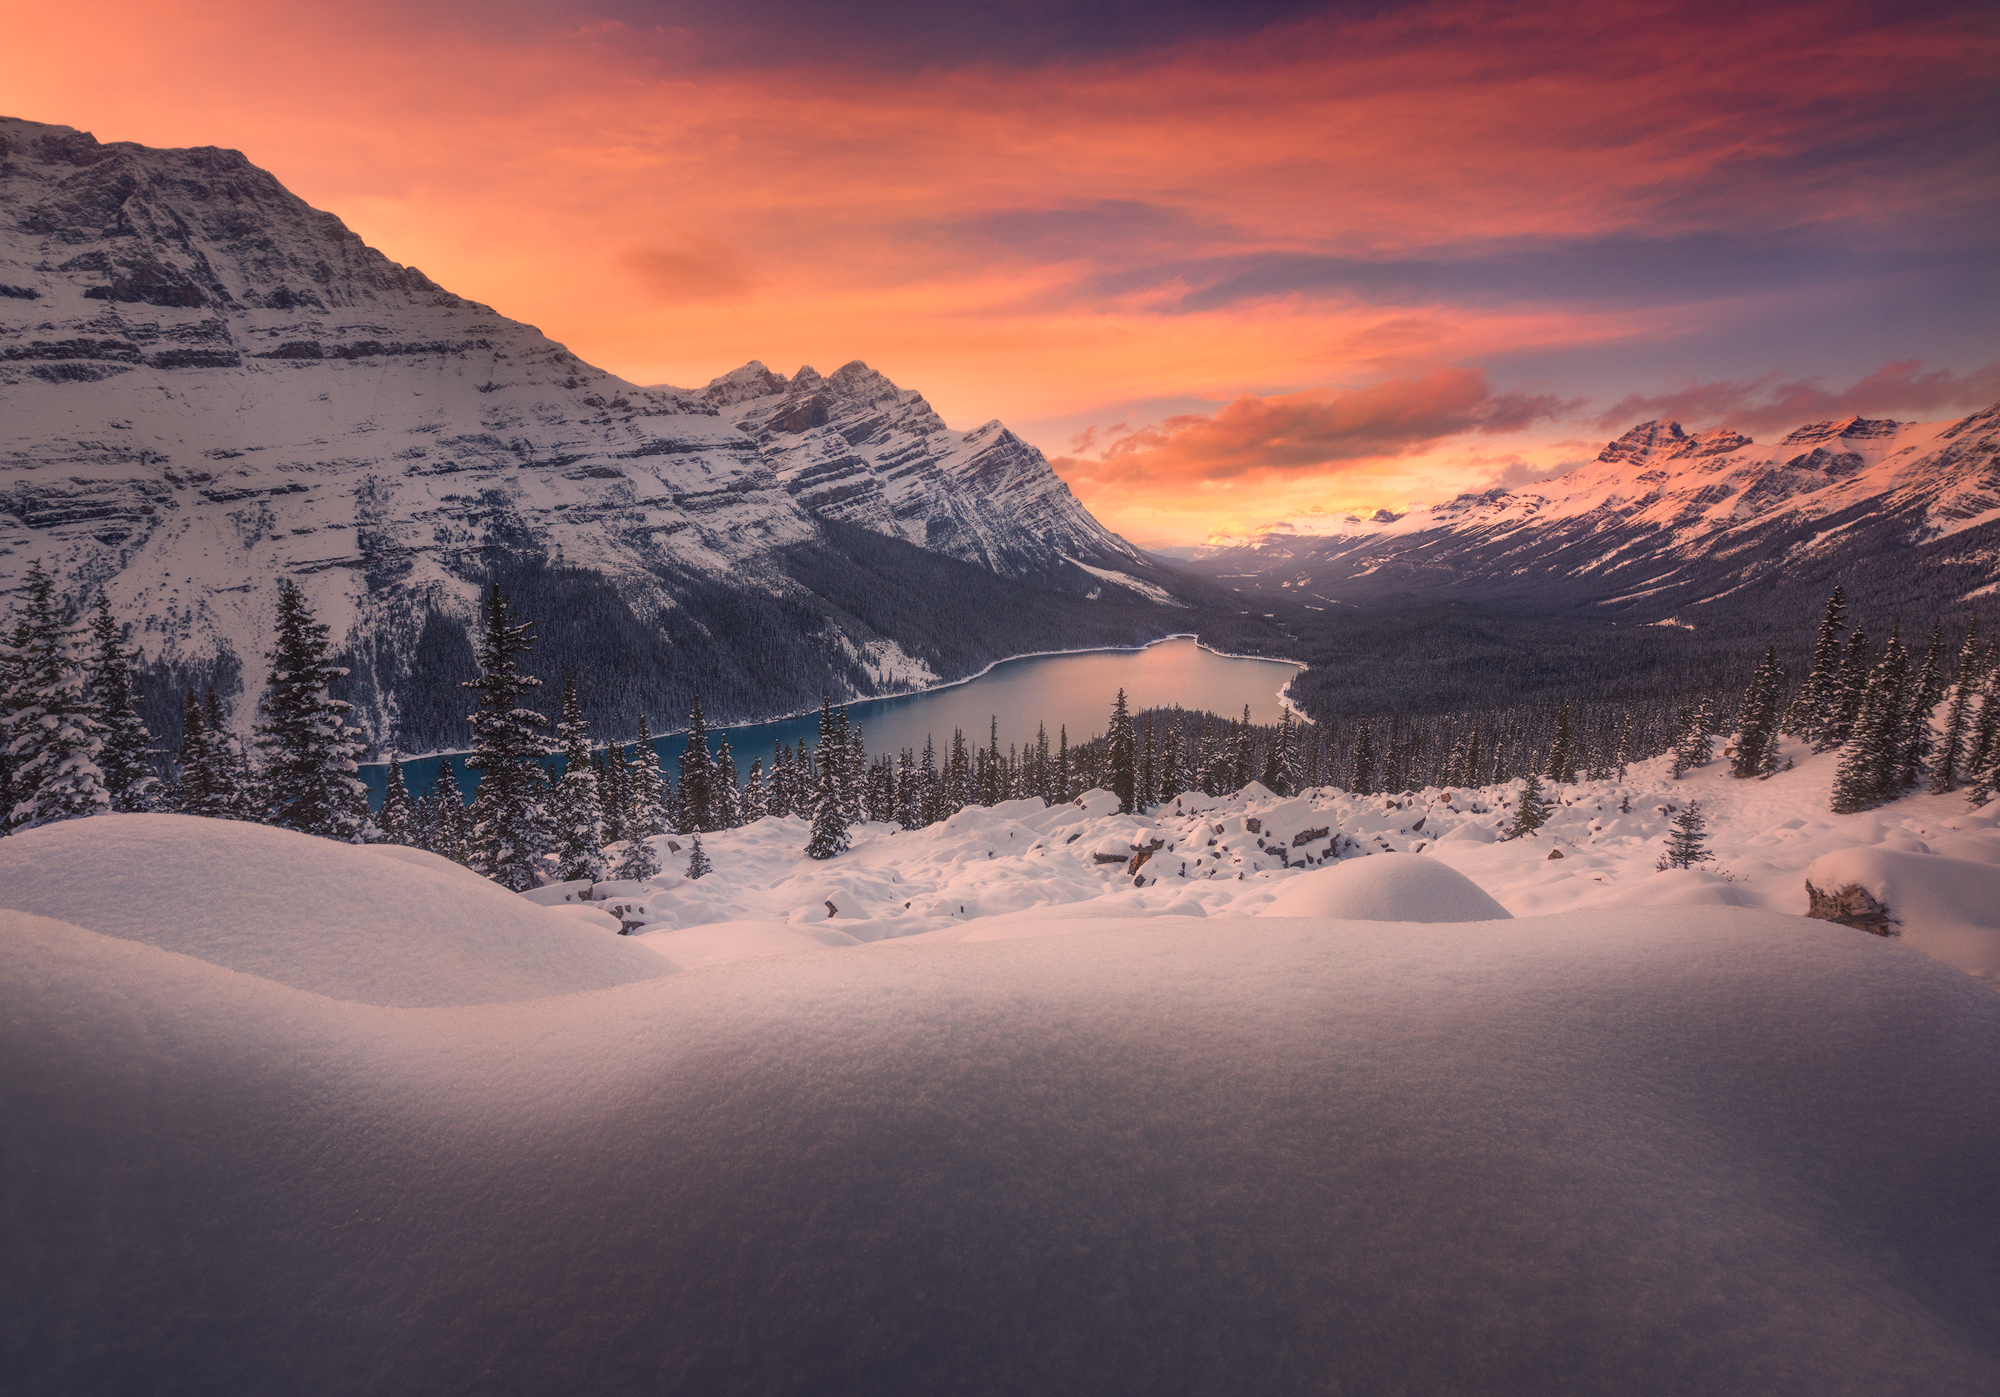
(1506,700)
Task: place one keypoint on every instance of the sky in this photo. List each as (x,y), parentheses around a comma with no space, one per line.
(1220,263)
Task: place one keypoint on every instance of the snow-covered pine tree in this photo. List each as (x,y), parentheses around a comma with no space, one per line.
(1562,751)
(1149,768)
(309,754)
(576,810)
(1687,842)
(1173,779)
(1918,738)
(645,788)
(247,800)
(448,819)
(396,821)
(957,784)
(53,736)
(1621,761)
(510,831)
(853,771)
(1815,707)
(614,792)
(1754,753)
(696,805)
(1122,768)
(928,802)
(1062,785)
(1241,762)
(127,756)
(1363,780)
(1534,810)
(752,805)
(1845,707)
(1948,762)
(725,803)
(637,860)
(1871,761)
(698,865)
(828,836)
(1982,757)
(204,782)
(1694,739)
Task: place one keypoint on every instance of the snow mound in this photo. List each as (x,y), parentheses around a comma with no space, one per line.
(1947,907)
(373,924)
(1652,1151)
(1386,888)
(721,942)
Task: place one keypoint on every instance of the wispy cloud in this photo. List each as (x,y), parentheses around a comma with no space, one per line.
(1772,402)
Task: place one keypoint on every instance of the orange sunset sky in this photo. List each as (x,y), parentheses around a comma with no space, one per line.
(1219,263)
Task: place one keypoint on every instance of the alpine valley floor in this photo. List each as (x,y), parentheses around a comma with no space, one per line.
(286,1115)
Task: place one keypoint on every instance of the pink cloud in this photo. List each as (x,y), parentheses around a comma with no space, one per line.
(1770,402)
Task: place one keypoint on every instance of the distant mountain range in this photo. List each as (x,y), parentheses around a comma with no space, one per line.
(1667,525)
(209,385)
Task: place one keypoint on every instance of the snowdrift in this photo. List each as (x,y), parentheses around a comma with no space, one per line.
(1393,889)
(377,925)
(1645,1151)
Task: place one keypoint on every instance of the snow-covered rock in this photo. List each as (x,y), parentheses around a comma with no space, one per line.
(1400,889)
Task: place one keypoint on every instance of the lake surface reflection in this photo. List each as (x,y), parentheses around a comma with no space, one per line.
(1073,690)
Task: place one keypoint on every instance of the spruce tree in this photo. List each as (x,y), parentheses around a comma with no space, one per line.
(244,791)
(449,821)
(751,808)
(928,804)
(127,755)
(1948,762)
(645,788)
(697,807)
(1814,709)
(310,755)
(1562,751)
(575,808)
(1687,842)
(511,830)
(1124,757)
(853,770)
(1982,761)
(1240,762)
(1363,782)
(698,865)
(1173,779)
(614,793)
(828,836)
(1754,753)
(203,784)
(1534,811)
(637,861)
(52,733)
(397,819)
(957,776)
(1061,785)
(725,803)
(1871,761)
(1917,741)
(1844,706)
(1621,761)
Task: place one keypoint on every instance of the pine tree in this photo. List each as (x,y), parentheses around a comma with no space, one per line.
(1982,761)
(829,826)
(1534,811)
(127,756)
(53,736)
(697,809)
(1916,740)
(1062,787)
(927,785)
(1363,783)
(246,796)
(1123,753)
(1754,754)
(853,769)
(510,819)
(310,754)
(957,776)
(614,793)
(397,819)
(638,861)
(698,865)
(1695,747)
(1687,844)
(1871,760)
(205,784)
(1844,707)
(1814,709)
(575,809)
(1624,757)
(725,803)
(753,792)
(449,820)
(1948,763)
(1172,778)
(1562,751)
(646,796)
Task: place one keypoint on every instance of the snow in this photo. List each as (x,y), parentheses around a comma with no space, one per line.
(1644,1151)
(289,1115)
(1396,889)
(375,925)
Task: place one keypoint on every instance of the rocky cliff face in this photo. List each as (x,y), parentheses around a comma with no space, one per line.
(1665,523)
(209,385)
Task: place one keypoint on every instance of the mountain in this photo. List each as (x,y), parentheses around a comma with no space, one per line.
(209,385)
(1668,525)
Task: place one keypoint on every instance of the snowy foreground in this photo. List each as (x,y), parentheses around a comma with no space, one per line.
(290,1116)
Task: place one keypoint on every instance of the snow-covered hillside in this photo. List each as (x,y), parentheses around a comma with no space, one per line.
(1657,1143)
(209,385)
(1934,861)
(1662,521)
